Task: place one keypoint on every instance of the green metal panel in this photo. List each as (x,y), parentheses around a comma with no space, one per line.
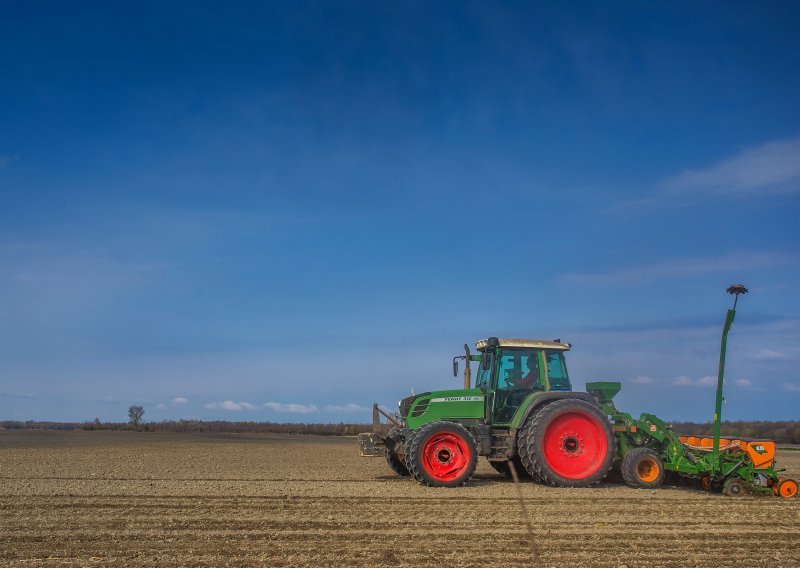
(446,405)
(516,422)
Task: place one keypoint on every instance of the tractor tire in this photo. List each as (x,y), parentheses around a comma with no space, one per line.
(442,454)
(567,443)
(503,468)
(642,468)
(396,459)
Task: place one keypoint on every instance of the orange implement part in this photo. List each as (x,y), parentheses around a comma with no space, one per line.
(761,452)
(648,470)
(787,488)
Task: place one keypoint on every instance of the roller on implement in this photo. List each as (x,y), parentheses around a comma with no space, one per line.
(523,416)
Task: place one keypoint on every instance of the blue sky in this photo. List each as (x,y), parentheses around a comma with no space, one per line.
(285,211)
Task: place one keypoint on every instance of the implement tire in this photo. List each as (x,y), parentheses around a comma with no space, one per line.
(567,443)
(442,454)
(395,452)
(642,468)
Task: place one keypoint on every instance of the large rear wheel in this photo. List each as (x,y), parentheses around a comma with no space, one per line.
(442,454)
(567,443)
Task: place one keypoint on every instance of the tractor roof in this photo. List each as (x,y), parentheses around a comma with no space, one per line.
(525,344)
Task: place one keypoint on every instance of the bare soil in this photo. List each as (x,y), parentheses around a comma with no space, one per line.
(135,499)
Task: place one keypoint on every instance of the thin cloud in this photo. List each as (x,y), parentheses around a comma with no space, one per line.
(350,407)
(684,381)
(791,387)
(773,167)
(180,401)
(161,407)
(643,380)
(291,407)
(683,267)
(231,405)
(743,383)
(769,356)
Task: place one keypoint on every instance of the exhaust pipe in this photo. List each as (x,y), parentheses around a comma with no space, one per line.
(467,372)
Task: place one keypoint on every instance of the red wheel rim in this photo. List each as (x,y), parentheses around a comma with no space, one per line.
(445,456)
(575,445)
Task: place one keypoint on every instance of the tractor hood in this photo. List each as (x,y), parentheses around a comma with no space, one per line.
(442,405)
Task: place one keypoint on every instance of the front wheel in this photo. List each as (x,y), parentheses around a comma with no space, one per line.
(442,454)
(567,443)
(395,452)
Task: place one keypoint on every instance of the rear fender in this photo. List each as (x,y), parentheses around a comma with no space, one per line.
(537,399)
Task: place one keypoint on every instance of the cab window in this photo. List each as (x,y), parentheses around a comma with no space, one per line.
(484,379)
(557,371)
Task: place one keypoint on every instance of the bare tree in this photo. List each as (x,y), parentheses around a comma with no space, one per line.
(135,414)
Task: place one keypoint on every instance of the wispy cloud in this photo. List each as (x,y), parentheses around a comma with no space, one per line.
(791,387)
(771,167)
(16,395)
(684,381)
(350,407)
(180,401)
(643,380)
(231,405)
(770,356)
(683,267)
(291,407)
(161,406)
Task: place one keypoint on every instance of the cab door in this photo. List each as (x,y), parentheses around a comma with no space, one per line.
(519,373)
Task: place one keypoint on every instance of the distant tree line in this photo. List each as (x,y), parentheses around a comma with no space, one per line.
(784,432)
(211,426)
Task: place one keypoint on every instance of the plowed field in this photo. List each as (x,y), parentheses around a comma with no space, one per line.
(133,499)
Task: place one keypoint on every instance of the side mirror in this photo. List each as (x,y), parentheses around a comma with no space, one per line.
(455,367)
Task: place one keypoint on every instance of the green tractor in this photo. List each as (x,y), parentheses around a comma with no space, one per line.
(521,414)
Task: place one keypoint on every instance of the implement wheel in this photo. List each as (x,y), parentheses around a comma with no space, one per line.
(734,487)
(642,468)
(395,452)
(567,443)
(787,488)
(442,454)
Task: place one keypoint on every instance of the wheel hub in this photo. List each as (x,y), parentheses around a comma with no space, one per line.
(445,456)
(571,445)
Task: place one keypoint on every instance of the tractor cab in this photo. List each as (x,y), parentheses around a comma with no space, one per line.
(511,370)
